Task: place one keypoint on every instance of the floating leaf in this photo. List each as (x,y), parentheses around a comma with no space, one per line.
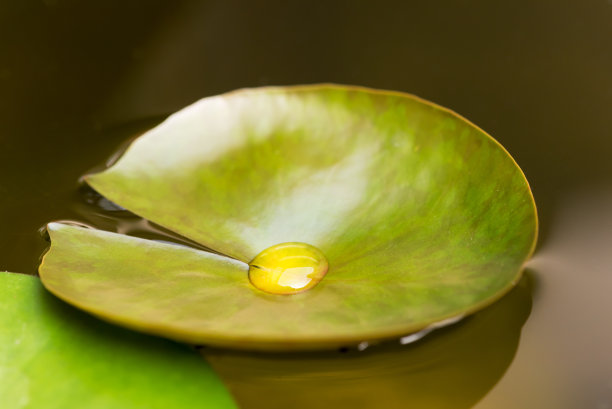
(55,357)
(420,214)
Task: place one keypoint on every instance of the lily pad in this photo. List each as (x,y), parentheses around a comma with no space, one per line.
(56,357)
(421,215)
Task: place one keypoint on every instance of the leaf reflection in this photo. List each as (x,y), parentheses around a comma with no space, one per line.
(452,368)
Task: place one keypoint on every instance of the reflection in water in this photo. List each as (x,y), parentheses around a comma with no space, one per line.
(98,211)
(564,361)
(453,367)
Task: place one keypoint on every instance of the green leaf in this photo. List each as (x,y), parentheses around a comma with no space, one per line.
(422,216)
(55,357)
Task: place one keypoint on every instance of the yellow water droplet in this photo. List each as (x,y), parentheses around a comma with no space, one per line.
(287,268)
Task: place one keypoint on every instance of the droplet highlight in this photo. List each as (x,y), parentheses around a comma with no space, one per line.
(288,268)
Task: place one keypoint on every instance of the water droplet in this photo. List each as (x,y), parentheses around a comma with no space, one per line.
(288,268)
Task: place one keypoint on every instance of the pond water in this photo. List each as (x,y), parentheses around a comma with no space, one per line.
(535,74)
(452,367)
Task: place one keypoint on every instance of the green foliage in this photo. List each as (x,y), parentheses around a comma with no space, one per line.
(421,215)
(55,357)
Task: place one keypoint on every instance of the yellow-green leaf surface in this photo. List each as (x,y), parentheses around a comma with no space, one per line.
(421,216)
(55,357)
